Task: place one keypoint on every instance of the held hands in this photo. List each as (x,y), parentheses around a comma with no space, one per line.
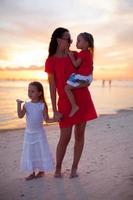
(57,116)
(50,120)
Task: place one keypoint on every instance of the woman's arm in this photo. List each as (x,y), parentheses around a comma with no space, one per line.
(52,87)
(47,119)
(20,110)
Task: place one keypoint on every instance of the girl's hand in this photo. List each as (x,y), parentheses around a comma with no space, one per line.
(57,116)
(20,109)
(70,53)
(19,101)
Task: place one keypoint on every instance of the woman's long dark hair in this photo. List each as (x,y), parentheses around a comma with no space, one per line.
(39,87)
(58,33)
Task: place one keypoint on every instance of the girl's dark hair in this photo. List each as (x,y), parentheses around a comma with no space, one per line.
(39,87)
(89,38)
(58,33)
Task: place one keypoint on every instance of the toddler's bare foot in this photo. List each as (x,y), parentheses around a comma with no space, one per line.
(57,173)
(74,110)
(74,173)
(30,177)
(40,175)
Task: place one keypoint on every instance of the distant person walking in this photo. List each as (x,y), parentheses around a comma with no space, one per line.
(103,83)
(110,82)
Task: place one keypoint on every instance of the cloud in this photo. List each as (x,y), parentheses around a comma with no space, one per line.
(27,23)
(5,53)
(124,7)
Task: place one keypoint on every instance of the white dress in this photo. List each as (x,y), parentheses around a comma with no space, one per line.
(36,154)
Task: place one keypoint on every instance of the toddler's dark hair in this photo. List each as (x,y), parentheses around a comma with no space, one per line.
(89,38)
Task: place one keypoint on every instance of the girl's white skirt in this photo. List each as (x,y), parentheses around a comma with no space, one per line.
(36,154)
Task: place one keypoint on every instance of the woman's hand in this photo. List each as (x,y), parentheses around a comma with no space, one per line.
(84,84)
(57,116)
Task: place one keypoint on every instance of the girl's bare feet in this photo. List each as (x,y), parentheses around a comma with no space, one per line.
(73,173)
(73,110)
(40,174)
(30,177)
(57,173)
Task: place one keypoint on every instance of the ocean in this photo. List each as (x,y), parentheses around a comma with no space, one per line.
(108,99)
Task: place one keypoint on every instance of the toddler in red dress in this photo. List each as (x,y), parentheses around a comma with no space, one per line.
(84,65)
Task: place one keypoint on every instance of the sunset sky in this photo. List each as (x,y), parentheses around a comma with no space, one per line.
(26,27)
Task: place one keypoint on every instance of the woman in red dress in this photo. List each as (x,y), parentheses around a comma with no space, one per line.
(59,67)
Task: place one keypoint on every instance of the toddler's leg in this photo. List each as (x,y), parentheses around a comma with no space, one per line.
(68,90)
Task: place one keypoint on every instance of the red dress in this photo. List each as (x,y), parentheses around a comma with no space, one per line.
(86,66)
(61,68)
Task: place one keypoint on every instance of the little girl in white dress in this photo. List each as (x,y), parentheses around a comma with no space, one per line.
(36,155)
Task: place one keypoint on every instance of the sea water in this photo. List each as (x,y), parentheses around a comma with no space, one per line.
(107,98)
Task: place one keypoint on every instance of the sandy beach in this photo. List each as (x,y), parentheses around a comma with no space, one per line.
(105,170)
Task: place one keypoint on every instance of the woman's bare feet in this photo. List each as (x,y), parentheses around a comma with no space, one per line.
(40,174)
(73,173)
(30,177)
(57,173)
(73,110)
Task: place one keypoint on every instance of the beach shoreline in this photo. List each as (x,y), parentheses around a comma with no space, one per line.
(56,124)
(105,170)
(107,99)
